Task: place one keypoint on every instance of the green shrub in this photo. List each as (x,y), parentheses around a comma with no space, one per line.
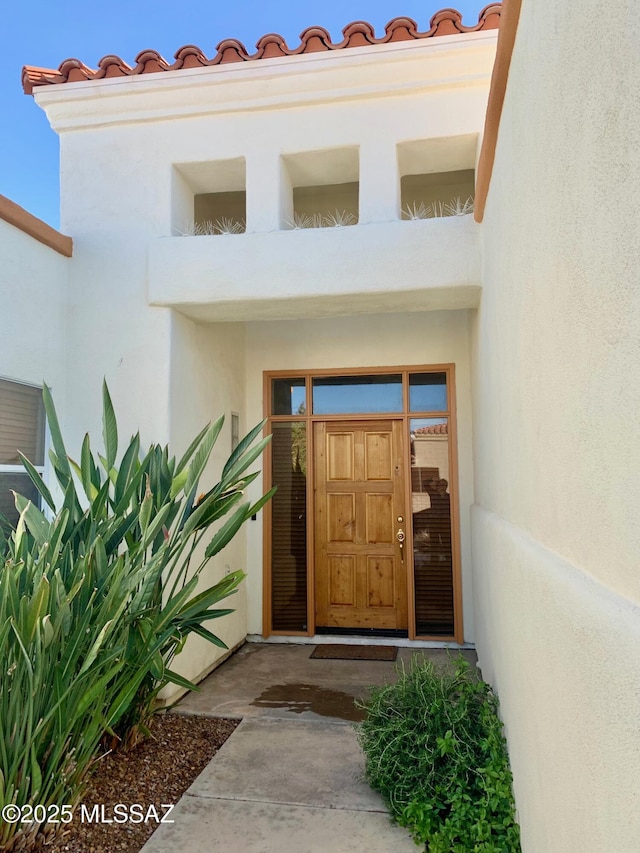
(96,603)
(436,752)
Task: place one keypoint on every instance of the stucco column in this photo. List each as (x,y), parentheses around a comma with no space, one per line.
(269,196)
(379,181)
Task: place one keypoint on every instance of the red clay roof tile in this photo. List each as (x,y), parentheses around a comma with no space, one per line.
(434,429)
(271,45)
(312,40)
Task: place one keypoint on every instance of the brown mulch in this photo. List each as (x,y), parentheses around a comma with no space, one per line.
(159,770)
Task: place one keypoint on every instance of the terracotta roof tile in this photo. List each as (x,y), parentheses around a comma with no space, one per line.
(358,34)
(401,29)
(312,40)
(190,56)
(271,45)
(75,71)
(434,429)
(150,61)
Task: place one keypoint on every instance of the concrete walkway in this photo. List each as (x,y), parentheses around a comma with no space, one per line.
(290,779)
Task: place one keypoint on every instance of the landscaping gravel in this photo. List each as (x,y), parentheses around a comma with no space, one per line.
(159,770)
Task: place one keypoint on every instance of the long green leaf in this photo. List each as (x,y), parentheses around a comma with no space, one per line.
(257,506)
(207,635)
(60,453)
(173,677)
(85,468)
(127,467)
(38,607)
(227,531)
(36,523)
(243,444)
(201,457)
(109,428)
(200,604)
(247,459)
(37,481)
(145,512)
(215,614)
(156,525)
(190,450)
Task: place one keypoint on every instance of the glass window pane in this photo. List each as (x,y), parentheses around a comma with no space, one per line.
(431,515)
(289,527)
(337,395)
(21,423)
(428,392)
(15,482)
(288,397)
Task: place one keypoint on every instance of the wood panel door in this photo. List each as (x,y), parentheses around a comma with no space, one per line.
(360,573)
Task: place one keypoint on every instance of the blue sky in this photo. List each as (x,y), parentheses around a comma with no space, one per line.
(45,33)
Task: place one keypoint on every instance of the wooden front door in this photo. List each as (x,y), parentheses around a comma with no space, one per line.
(360,573)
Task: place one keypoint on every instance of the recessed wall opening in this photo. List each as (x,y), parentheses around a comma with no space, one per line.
(438,194)
(210,198)
(325,188)
(220,213)
(437,177)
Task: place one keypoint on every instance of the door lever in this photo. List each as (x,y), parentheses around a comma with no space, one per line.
(401,537)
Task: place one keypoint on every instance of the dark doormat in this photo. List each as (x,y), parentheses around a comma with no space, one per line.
(338,651)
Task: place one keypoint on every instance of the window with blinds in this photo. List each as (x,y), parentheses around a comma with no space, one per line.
(431,508)
(289,526)
(22,430)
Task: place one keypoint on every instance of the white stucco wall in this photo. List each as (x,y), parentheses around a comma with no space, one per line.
(556,354)
(111,204)
(33,283)
(435,337)
(206,381)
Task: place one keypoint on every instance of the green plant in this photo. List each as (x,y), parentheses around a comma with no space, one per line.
(96,603)
(62,642)
(435,750)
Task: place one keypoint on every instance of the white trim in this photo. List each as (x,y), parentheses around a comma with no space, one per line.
(350,640)
(5,378)
(306,79)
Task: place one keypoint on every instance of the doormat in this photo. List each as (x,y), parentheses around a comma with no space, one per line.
(331,651)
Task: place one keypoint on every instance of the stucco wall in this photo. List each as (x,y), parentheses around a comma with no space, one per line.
(206,381)
(556,355)
(111,203)
(33,280)
(435,337)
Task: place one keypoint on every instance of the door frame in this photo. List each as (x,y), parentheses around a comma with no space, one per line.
(405,416)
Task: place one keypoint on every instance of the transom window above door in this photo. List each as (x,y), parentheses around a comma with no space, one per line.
(359,394)
(356,395)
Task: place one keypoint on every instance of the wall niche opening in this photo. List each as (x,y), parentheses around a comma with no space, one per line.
(325,188)
(220,213)
(437,177)
(210,198)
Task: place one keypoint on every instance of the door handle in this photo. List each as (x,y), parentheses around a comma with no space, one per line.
(401,537)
